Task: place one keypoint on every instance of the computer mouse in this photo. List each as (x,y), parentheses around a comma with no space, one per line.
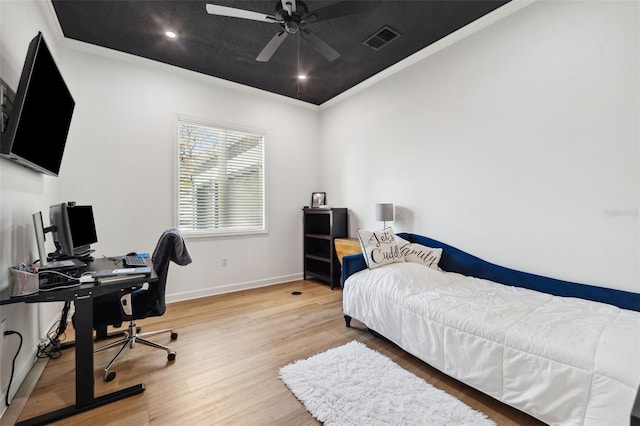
(132,253)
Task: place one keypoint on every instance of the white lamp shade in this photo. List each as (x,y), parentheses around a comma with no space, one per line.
(384,212)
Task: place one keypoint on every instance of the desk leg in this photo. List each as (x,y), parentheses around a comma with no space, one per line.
(85,399)
(63,413)
(84,350)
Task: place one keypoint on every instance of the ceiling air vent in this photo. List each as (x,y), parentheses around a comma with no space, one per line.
(381,38)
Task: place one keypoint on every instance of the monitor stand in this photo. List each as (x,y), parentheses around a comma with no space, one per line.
(84,254)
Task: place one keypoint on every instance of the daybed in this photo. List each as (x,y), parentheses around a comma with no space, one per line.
(565,353)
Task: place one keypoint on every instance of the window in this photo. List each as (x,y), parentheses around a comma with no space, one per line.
(221,179)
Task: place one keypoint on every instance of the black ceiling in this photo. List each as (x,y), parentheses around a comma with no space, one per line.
(227,47)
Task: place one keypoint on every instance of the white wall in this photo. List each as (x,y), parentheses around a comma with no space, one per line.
(518,144)
(123,134)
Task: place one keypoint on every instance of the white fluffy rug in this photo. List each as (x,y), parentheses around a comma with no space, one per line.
(355,385)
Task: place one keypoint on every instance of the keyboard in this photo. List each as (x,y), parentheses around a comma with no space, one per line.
(145,270)
(134,261)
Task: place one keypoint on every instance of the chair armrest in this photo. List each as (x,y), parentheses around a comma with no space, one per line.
(125,305)
(352,264)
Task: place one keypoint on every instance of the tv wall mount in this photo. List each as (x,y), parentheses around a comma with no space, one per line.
(6,104)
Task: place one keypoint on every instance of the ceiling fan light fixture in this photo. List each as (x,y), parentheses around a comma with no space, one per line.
(292,16)
(292,27)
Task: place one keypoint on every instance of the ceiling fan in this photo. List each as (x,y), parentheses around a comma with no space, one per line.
(293,16)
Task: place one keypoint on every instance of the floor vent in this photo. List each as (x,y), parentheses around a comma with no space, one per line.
(381,38)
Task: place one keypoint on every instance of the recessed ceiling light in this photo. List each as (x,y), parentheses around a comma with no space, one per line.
(302,77)
(171,34)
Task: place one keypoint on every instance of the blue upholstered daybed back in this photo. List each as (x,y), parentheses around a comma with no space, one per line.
(455,260)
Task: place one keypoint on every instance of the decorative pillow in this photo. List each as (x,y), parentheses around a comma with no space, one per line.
(379,247)
(417,253)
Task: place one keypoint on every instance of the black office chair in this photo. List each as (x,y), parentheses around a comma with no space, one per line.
(143,303)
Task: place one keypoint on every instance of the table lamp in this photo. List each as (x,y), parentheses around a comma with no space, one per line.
(384,212)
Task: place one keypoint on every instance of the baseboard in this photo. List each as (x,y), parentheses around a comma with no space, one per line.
(230,288)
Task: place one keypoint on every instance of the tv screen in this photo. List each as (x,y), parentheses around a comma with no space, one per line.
(38,125)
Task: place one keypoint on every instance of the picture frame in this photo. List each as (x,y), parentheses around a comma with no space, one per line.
(318,199)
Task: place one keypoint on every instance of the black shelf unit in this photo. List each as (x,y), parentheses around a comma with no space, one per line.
(320,227)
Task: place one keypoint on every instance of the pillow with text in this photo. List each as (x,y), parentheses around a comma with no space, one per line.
(417,253)
(379,247)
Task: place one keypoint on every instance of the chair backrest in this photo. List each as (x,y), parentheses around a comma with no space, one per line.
(171,247)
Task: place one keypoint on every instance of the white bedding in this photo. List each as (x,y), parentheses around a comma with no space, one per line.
(562,360)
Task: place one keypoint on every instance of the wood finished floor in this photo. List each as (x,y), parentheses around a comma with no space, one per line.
(230,348)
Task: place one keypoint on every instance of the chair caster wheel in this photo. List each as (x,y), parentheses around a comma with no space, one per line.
(109,376)
(138,330)
(171,356)
(174,335)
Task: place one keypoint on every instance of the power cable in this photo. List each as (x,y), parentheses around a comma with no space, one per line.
(13,364)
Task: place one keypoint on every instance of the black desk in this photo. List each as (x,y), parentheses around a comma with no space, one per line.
(82,296)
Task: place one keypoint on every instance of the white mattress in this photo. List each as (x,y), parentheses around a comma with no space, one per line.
(563,360)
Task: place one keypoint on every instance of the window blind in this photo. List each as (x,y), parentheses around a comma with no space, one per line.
(221,179)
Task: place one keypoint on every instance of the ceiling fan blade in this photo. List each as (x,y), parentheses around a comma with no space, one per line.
(272,46)
(338,10)
(214,9)
(320,46)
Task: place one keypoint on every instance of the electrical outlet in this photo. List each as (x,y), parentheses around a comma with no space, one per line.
(223,261)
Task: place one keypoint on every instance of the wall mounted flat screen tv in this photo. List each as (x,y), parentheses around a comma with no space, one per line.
(39,121)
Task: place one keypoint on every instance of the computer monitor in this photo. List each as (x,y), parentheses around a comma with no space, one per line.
(44,263)
(83,229)
(38,225)
(74,230)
